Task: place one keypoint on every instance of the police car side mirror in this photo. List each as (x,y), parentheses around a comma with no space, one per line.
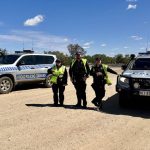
(21,63)
(123,67)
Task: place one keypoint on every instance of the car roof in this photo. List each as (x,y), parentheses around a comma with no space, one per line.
(39,54)
(33,54)
(143,56)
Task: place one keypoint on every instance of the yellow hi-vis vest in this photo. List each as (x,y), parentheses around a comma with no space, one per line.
(108,81)
(57,73)
(84,63)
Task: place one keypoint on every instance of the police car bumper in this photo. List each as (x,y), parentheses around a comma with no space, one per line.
(133,92)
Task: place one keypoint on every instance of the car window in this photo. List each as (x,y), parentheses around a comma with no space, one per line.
(141,64)
(49,59)
(44,59)
(8,59)
(27,60)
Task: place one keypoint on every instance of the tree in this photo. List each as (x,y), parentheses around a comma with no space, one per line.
(73,48)
(3,52)
(119,58)
(66,60)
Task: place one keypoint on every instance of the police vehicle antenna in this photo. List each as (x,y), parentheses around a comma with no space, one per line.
(32,44)
(23,45)
(147,44)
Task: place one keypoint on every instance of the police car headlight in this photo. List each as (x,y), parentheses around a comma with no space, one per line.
(136,85)
(124,80)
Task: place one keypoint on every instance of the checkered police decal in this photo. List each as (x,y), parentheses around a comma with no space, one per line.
(26,67)
(8,69)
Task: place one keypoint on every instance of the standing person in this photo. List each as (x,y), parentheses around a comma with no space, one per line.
(79,71)
(100,78)
(59,81)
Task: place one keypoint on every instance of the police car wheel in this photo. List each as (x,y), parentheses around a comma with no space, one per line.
(6,85)
(47,82)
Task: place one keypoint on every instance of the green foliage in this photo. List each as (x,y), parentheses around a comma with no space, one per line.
(66,60)
(73,48)
(122,59)
(3,52)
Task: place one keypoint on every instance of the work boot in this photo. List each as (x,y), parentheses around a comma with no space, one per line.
(78,105)
(95,103)
(100,106)
(84,106)
(61,105)
(55,104)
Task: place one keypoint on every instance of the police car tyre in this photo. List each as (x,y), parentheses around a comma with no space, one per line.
(123,100)
(6,85)
(47,82)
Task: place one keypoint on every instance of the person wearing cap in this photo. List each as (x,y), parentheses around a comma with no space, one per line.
(59,81)
(79,71)
(100,77)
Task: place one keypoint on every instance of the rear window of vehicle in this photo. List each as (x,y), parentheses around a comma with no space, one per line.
(44,59)
(8,59)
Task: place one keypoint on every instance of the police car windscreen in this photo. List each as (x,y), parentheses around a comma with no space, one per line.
(141,64)
(8,59)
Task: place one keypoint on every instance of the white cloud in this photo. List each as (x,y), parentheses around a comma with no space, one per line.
(125,47)
(130,6)
(34,21)
(142,48)
(66,40)
(41,41)
(87,45)
(103,45)
(131,0)
(136,38)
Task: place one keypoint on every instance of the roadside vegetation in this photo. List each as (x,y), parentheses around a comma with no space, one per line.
(73,48)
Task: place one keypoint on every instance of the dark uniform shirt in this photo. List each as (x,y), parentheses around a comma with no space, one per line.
(77,72)
(99,80)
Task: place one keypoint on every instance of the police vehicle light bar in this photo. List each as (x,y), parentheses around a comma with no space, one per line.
(24,52)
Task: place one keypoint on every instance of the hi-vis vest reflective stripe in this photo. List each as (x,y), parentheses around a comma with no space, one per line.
(57,73)
(108,81)
(84,63)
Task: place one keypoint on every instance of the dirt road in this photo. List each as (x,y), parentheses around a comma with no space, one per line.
(29,121)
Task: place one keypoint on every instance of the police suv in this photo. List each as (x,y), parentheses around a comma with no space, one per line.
(24,67)
(135,79)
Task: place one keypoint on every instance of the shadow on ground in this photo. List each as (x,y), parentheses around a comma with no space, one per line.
(136,108)
(23,87)
(65,106)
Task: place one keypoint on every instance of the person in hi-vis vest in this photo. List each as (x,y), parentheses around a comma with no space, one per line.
(79,71)
(59,81)
(100,78)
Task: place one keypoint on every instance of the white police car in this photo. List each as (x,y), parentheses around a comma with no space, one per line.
(21,68)
(135,79)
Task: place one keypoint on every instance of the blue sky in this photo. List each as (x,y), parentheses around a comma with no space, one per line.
(100,26)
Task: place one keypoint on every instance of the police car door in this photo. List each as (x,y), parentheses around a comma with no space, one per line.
(26,69)
(42,63)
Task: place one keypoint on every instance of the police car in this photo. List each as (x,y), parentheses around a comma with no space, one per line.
(24,67)
(135,79)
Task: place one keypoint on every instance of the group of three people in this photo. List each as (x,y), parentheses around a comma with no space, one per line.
(79,71)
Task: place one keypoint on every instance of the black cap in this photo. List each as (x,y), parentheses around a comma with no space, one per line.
(97,59)
(78,53)
(58,61)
